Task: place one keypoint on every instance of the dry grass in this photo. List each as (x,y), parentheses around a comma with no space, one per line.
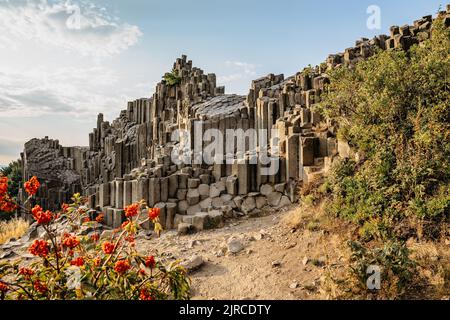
(12,229)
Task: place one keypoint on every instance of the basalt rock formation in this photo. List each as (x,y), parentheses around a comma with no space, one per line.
(132,157)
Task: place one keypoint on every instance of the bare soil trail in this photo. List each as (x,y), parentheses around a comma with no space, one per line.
(275,262)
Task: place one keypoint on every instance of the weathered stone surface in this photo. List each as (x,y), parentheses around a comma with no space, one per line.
(274,199)
(193,183)
(193,263)
(266,189)
(260,202)
(204,191)
(193,197)
(118,218)
(183,207)
(185,228)
(284,202)
(231,186)
(205,204)
(181,194)
(154,191)
(214,191)
(171,210)
(248,205)
(235,246)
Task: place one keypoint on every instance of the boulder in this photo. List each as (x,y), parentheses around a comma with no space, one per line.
(266,189)
(193,263)
(193,183)
(192,197)
(274,198)
(204,191)
(214,191)
(284,202)
(261,202)
(234,246)
(185,228)
(248,205)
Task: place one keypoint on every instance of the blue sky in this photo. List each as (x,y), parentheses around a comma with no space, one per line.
(55,78)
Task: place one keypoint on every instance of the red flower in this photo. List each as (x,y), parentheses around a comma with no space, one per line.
(79,262)
(65,207)
(154,213)
(7,204)
(130,239)
(40,216)
(124,225)
(32,186)
(145,295)
(3,287)
(97,261)
(100,218)
(39,248)
(39,287)
(70,241)
(95,237)
(27,273)
(108,247)
(132,210)
(142,272)
(122,266)
(150,262)
(3,186)
(86,220)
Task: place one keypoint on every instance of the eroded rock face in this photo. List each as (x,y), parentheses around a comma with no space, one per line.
(134,157)
(58,169)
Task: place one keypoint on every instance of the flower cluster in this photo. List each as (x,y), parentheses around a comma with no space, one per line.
(70,241)
(3,186)
(3,287)
(108,247)
(122,266)
(150,262)
(79,262)
(145,295)
(6,203)
(132,210)
(39,248)
(40,216)
(27,273)
(40,287)
(77,267)
(32,186)
(153,213)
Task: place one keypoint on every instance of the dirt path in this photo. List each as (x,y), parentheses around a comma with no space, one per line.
(276,263)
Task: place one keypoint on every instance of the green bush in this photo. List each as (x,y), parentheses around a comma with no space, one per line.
(397,269)
(172,78)
(393,109)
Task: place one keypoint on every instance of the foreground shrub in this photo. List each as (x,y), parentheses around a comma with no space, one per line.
(83,267)
(397,269)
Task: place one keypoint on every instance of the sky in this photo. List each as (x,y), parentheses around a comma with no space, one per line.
(64,61)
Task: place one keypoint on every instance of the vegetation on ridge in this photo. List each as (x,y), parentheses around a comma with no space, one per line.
(393,110)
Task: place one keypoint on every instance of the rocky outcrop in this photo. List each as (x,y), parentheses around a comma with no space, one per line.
(136,156)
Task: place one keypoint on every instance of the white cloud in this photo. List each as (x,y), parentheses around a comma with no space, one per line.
(76,92)
(242,70)
(80,27)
